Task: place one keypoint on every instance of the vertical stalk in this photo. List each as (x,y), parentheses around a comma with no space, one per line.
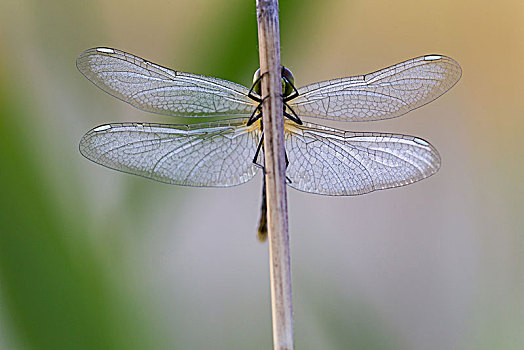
(273,120)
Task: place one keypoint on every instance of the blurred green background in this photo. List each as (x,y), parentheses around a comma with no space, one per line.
(95,259)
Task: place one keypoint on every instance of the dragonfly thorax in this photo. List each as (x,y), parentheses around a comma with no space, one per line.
(288,80)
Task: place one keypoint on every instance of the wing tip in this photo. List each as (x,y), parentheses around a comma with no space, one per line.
(99,50)
(449,60)
(83,145)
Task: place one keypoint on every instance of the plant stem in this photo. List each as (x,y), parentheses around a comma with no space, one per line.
(275,169)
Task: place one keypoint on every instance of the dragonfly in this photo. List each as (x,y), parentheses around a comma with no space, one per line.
(229,151)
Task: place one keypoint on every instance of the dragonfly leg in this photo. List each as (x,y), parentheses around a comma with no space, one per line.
(259,147)
(258,109)
(254,117)
(294,117)
(288,180)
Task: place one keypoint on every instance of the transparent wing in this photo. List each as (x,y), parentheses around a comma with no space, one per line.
(334,162)
(387,93)
(216,154)
(156,89)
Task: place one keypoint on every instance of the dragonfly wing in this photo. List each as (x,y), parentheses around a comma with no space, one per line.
(334,162)
(156,89)
(216,154)
(387,93)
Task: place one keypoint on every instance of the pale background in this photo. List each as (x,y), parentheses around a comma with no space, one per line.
(95,259)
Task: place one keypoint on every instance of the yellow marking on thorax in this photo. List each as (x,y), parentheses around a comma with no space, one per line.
(255,126)
(289,126)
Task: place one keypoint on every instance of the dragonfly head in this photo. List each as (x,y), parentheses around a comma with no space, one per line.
(288,80)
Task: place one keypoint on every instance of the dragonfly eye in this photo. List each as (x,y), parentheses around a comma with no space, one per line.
(256,81)
(288,80)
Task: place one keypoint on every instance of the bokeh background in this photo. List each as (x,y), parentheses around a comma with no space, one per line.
(95,259)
